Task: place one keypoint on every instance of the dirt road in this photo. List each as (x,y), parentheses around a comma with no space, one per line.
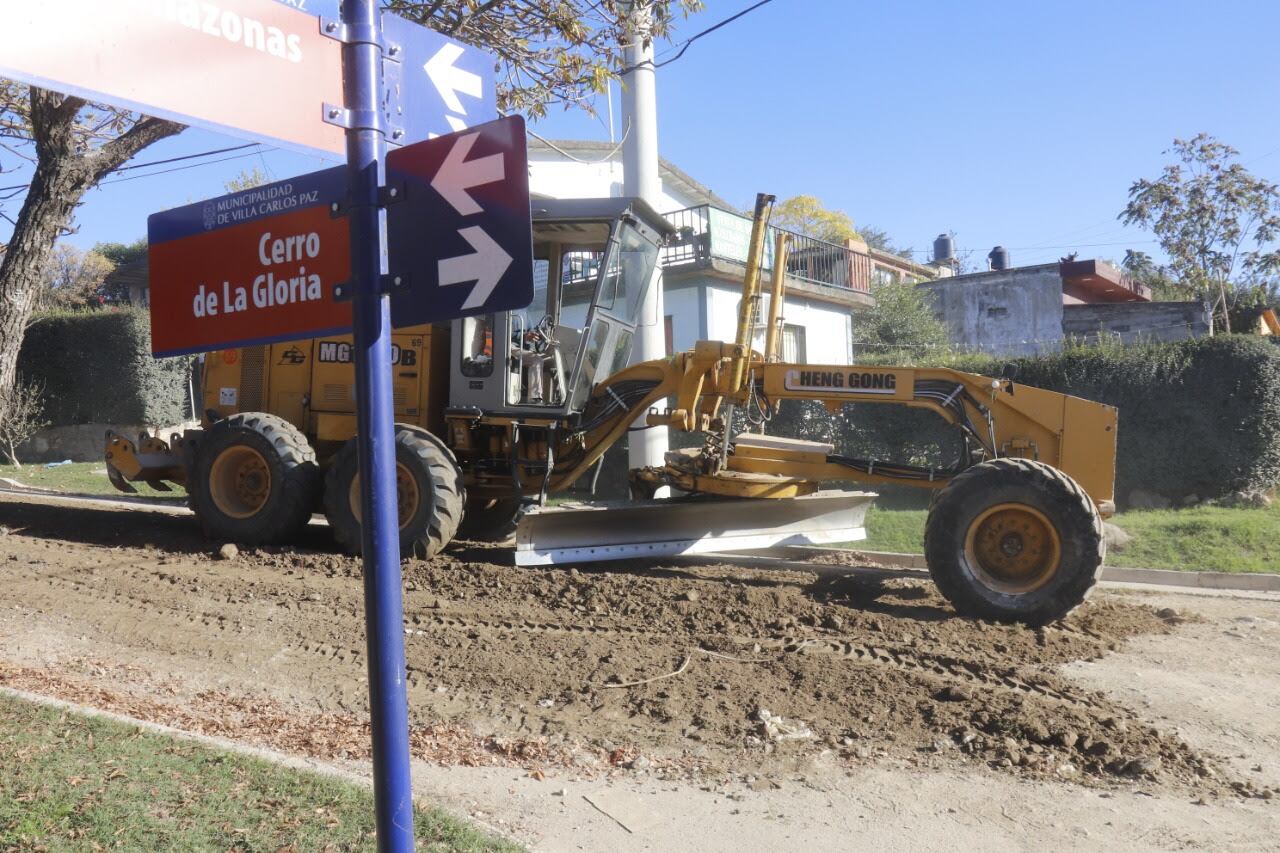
(713,695)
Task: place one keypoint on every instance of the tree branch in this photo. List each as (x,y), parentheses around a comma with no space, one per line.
(119,150)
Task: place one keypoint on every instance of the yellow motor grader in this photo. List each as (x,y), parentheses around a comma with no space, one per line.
(497,412)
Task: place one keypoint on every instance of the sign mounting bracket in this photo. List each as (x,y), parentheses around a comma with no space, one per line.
(349,119)
(391,193)
(391,68)
(387,283)
(349,33)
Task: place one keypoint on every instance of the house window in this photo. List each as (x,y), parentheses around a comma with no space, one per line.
(669,334)
(880,275)
(793,346)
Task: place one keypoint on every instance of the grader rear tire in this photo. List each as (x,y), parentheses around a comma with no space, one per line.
(255,480)
(429,494)
(1014,540)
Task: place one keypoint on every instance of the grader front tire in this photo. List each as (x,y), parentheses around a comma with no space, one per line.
(1014,540)
(256,480)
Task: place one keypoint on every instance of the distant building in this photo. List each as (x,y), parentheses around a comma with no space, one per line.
(131,280)
(1029,310)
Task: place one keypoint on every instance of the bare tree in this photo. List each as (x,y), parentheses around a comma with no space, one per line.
(1218,223)
(72,278)
(72,144)
(549,50)
(23,405)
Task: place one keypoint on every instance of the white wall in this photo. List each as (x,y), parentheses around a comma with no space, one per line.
(684,307)
(722,312)
(828,328)
(553,176)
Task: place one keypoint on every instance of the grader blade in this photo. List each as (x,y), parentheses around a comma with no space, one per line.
(585,533)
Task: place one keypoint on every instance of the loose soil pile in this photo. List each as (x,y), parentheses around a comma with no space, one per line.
(719,669)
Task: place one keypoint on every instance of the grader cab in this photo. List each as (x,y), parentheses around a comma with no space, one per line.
(495,413)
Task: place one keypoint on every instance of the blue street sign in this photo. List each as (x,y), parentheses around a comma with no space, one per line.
(460,238)
(435,85)
(443,85)
(319,8)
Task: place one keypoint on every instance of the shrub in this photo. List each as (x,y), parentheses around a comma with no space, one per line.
(1198,417)
(97,367)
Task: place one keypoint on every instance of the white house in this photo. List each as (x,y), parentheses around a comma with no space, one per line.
(703,268)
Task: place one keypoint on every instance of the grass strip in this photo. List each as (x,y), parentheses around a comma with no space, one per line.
(1201,538)
(79,782)
(80,478)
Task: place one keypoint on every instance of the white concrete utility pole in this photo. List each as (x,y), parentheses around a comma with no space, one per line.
(640,178)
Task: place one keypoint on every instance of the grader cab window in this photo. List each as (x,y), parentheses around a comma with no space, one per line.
(537,363)
(477,346)
(590,276)
(627,277)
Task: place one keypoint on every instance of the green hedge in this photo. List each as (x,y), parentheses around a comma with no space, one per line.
(1198,417)
(97,367)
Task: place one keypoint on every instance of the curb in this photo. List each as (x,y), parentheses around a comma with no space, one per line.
(82,498)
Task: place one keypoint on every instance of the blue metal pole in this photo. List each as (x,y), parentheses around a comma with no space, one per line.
(380,534)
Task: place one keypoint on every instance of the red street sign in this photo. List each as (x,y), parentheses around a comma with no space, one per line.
(260,266)
(249,268)
(246,67)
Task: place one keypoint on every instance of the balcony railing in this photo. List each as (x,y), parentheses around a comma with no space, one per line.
(706,232)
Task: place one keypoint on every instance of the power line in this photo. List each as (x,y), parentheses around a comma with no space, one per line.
(187,157)
(605,159)
(178,168)
(163,162)
(689,41)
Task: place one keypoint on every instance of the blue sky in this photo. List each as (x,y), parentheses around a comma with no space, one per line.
(1015,123)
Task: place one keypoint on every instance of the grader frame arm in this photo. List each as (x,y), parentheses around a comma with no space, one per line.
(995,418)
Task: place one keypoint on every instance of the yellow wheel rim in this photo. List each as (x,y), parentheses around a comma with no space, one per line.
(407,496)
(1012,548)
(240,482)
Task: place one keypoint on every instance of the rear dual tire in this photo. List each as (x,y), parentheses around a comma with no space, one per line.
(429,494)
(256,480)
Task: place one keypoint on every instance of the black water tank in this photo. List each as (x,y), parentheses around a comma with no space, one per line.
(944,248)
(999,257)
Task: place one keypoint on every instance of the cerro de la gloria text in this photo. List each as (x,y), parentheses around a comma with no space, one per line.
(273,287)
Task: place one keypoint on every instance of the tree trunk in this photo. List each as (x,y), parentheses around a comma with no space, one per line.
(1226,316)
(64,173)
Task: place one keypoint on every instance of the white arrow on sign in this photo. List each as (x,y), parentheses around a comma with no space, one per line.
(449,80)
(484,266)
(457,175)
